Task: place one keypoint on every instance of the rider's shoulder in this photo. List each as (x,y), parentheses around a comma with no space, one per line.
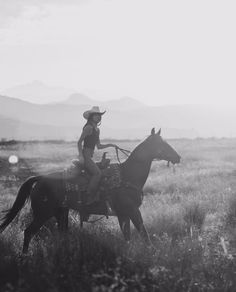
(88,129)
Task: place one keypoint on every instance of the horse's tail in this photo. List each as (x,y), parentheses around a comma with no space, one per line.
(22,196)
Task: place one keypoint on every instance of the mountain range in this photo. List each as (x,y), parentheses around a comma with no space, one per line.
(38,92)
(126,118)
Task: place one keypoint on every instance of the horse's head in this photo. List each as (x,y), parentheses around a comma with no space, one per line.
(160,149)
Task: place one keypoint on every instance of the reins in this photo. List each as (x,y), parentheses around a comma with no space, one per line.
(124,151)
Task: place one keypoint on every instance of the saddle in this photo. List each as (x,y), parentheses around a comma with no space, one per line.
(76,179)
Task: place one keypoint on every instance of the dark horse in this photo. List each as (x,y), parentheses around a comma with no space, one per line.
(47,193)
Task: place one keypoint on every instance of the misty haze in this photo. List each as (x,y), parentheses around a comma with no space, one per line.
(117,145)
(23,118)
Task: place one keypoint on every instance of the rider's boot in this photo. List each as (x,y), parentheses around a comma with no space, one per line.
(109,211)
(84,216)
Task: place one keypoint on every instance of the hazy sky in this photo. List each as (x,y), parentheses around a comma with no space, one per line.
(161,52)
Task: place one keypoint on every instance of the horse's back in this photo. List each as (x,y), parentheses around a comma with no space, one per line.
(48,189)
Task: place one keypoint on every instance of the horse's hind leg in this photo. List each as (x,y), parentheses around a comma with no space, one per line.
(124,223)
(30,231)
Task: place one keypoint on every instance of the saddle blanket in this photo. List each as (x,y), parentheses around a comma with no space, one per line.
(76,181)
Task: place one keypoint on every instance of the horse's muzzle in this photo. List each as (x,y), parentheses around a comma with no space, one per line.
(175,160)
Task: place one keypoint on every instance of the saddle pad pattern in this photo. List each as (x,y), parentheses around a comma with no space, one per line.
(76,181)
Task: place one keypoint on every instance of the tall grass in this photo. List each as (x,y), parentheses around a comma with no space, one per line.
(231,210)
(190,214)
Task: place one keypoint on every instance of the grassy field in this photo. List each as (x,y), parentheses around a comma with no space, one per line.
(189,211)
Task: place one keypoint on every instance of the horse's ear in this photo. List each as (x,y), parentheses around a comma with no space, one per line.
(153,131)
(159,132)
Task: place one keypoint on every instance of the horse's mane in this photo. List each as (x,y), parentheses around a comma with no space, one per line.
(136,149)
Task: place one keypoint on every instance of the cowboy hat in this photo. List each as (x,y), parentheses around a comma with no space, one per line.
(93,110)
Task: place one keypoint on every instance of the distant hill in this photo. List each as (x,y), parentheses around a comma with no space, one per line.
(79,99)
(124,103)
(38,92)
(25,120)
(19,130)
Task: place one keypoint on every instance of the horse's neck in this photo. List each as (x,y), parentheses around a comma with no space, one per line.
(137,167)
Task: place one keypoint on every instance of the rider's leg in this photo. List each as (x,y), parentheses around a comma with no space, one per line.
(96,175)
(94,180)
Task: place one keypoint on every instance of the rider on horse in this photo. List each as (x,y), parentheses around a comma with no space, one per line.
(86,145)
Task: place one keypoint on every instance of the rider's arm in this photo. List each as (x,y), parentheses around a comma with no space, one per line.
(102,146)
(86,131)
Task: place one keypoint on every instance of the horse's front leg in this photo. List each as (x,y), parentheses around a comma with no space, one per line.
(124,223)
(137,220)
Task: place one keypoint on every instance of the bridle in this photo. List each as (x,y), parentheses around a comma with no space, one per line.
(127,153)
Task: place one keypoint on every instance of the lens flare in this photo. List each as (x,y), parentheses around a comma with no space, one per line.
(13,159)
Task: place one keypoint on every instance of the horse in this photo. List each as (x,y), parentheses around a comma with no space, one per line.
(47,194)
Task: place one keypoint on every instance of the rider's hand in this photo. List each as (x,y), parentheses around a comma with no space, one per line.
(81,159)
